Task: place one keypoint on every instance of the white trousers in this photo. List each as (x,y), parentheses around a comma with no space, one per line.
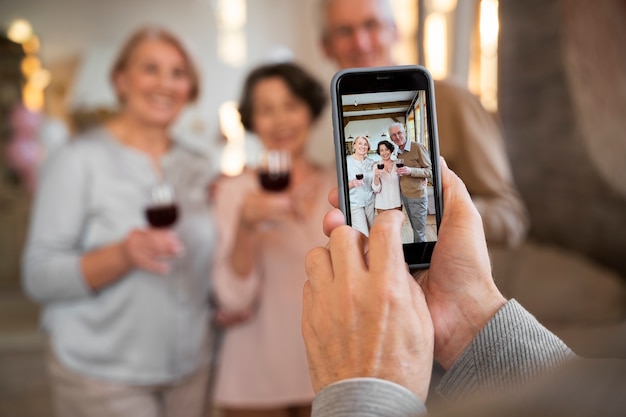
(77,395)
(363,218)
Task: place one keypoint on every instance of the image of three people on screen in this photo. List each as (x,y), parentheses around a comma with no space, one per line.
(395,180)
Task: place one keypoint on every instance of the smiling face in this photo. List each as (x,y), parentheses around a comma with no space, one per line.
(155,84)
(397,135)
(280,118)
(359,33)
(361,146)
(384,151)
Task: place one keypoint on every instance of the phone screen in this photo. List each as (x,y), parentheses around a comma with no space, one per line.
(387,152)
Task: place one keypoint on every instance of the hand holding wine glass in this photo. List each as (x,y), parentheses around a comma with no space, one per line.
(358,181)
(151,248)
(162,211)
(402,170)
(380,166)
(269,205)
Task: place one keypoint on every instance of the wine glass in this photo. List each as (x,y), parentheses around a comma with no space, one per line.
(380,165)
(275,170)
(162,211)
(399,163)
(359,176)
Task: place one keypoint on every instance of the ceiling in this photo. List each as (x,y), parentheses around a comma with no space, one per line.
(376,105)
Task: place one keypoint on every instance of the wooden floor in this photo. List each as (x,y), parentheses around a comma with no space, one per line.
(431,229)
(24,388)
(24,385)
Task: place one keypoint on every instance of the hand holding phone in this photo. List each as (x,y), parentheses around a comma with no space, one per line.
(389,111)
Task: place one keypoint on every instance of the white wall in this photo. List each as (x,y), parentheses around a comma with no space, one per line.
(373,128)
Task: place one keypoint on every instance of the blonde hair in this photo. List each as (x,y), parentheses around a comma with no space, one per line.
(161,34)
(365,139)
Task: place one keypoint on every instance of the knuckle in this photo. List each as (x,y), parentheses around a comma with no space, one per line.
(392,292)
(381,228)
(342,232)
(314,258)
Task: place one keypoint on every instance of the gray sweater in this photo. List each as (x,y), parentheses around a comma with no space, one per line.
(144,328)
(511,350)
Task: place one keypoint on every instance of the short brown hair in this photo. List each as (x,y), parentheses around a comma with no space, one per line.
(299,82)
(161,34)
(390,146)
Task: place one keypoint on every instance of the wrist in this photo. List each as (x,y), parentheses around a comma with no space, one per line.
(246,226)
(471,318)
(126,261)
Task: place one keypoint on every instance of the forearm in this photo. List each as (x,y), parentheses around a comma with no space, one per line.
(505,219)
(376,185)
(421,172)
(244,253)
(234,277)
(478,155)
(51,261)
(53,274)
(105,266)
(49,276)
(510,351)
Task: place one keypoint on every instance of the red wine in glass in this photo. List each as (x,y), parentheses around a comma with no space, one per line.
(274,181)
(162,212)
(162,216)
(400,163)
(274,170)
(381,166)
(359,176)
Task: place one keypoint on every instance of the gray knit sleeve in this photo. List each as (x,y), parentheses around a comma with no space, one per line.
(51,259)
(511,350)
(366,397)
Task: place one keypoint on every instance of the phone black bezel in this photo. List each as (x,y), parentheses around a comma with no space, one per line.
(388,79)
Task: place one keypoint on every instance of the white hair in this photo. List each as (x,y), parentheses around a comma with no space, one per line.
(396,124)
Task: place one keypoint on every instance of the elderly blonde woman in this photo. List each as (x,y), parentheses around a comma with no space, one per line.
(125,305)
(360,176)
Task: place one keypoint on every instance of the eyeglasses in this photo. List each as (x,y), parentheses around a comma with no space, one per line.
(370,26)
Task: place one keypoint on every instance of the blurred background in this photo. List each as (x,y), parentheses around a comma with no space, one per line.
(552,71)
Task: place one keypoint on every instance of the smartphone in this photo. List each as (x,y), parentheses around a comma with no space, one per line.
(387,152)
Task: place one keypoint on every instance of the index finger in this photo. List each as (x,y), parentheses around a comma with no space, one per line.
(386,256)
(347,252)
